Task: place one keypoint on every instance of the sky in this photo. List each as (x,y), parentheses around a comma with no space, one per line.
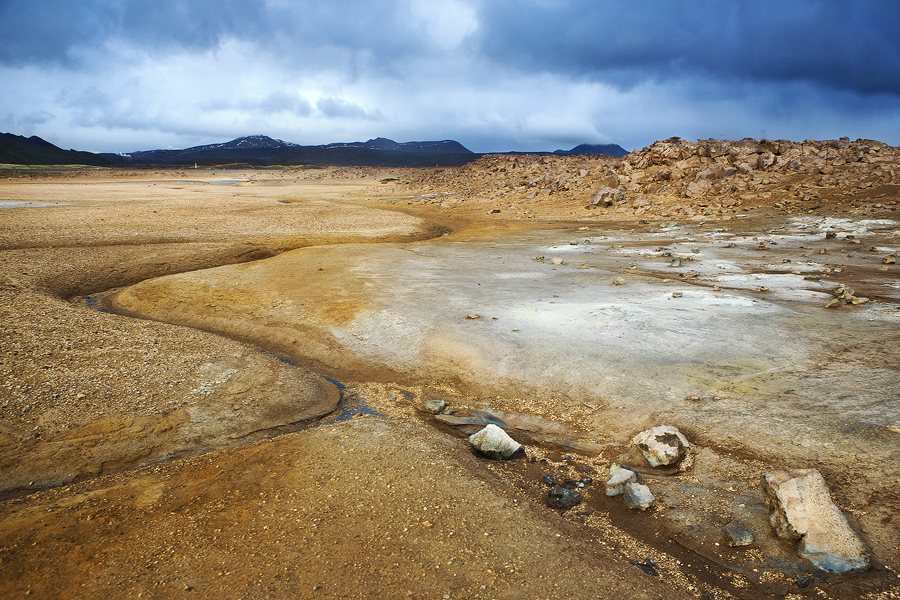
(495,75)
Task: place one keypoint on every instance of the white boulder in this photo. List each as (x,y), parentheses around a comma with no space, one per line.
(663,445)
(495,443)
(800,508)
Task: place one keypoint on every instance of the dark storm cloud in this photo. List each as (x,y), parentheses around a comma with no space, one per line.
(837,43)
(847,45)
(54,30)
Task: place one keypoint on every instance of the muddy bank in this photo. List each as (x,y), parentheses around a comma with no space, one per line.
(86,393)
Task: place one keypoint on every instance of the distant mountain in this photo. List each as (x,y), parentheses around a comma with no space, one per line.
(244,143)
(441,147)
(263,150)
(613,150)
(20,150)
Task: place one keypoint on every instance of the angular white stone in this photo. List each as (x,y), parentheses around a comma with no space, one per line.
(800,507)
(615,485)
(637,495)
(495,443)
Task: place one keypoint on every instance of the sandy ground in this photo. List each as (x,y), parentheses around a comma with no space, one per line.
(180,463)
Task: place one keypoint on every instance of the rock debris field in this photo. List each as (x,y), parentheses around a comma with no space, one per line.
(670,375)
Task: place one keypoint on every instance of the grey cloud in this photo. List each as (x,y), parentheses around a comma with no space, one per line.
(339,108)
(53,31)
(29,120)
(282,101)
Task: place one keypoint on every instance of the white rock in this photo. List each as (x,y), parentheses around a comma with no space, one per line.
(800,508)
(615,485)
(495,443)
(663,445)
(637,495)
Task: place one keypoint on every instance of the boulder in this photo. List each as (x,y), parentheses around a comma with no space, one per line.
(800,508)
(696,189)
(765,160)
(495,443)
(606,196)
(638,496)
(744,168)
(663,445)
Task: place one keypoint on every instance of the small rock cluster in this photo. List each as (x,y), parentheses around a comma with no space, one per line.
(798,503)
(661,446)
(844,295)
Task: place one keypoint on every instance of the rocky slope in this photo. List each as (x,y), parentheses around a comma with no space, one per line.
(677,178)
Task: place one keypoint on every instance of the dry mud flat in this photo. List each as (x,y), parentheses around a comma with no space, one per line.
(575,336)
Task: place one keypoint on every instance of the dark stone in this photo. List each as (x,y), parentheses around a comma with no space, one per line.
(563,498)
(736,534)
(804,580)
(548,479)
(648,566)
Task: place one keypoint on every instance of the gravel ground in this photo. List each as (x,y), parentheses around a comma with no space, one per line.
(374,506)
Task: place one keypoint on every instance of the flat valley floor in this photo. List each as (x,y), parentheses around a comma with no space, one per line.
(213,384)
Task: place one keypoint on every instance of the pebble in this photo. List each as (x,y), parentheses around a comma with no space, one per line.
(563,498)
(648,566)
(435,405)
(736,534)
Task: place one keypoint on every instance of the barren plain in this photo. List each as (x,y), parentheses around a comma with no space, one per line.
(212,383)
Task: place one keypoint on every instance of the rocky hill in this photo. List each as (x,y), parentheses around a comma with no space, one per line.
(614,150)
(678,178)
(21,150)
(244,143)
(440,147)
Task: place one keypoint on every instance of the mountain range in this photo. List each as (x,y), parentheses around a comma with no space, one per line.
(261,150)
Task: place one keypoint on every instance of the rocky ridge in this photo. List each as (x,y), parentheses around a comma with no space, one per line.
(679,178)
